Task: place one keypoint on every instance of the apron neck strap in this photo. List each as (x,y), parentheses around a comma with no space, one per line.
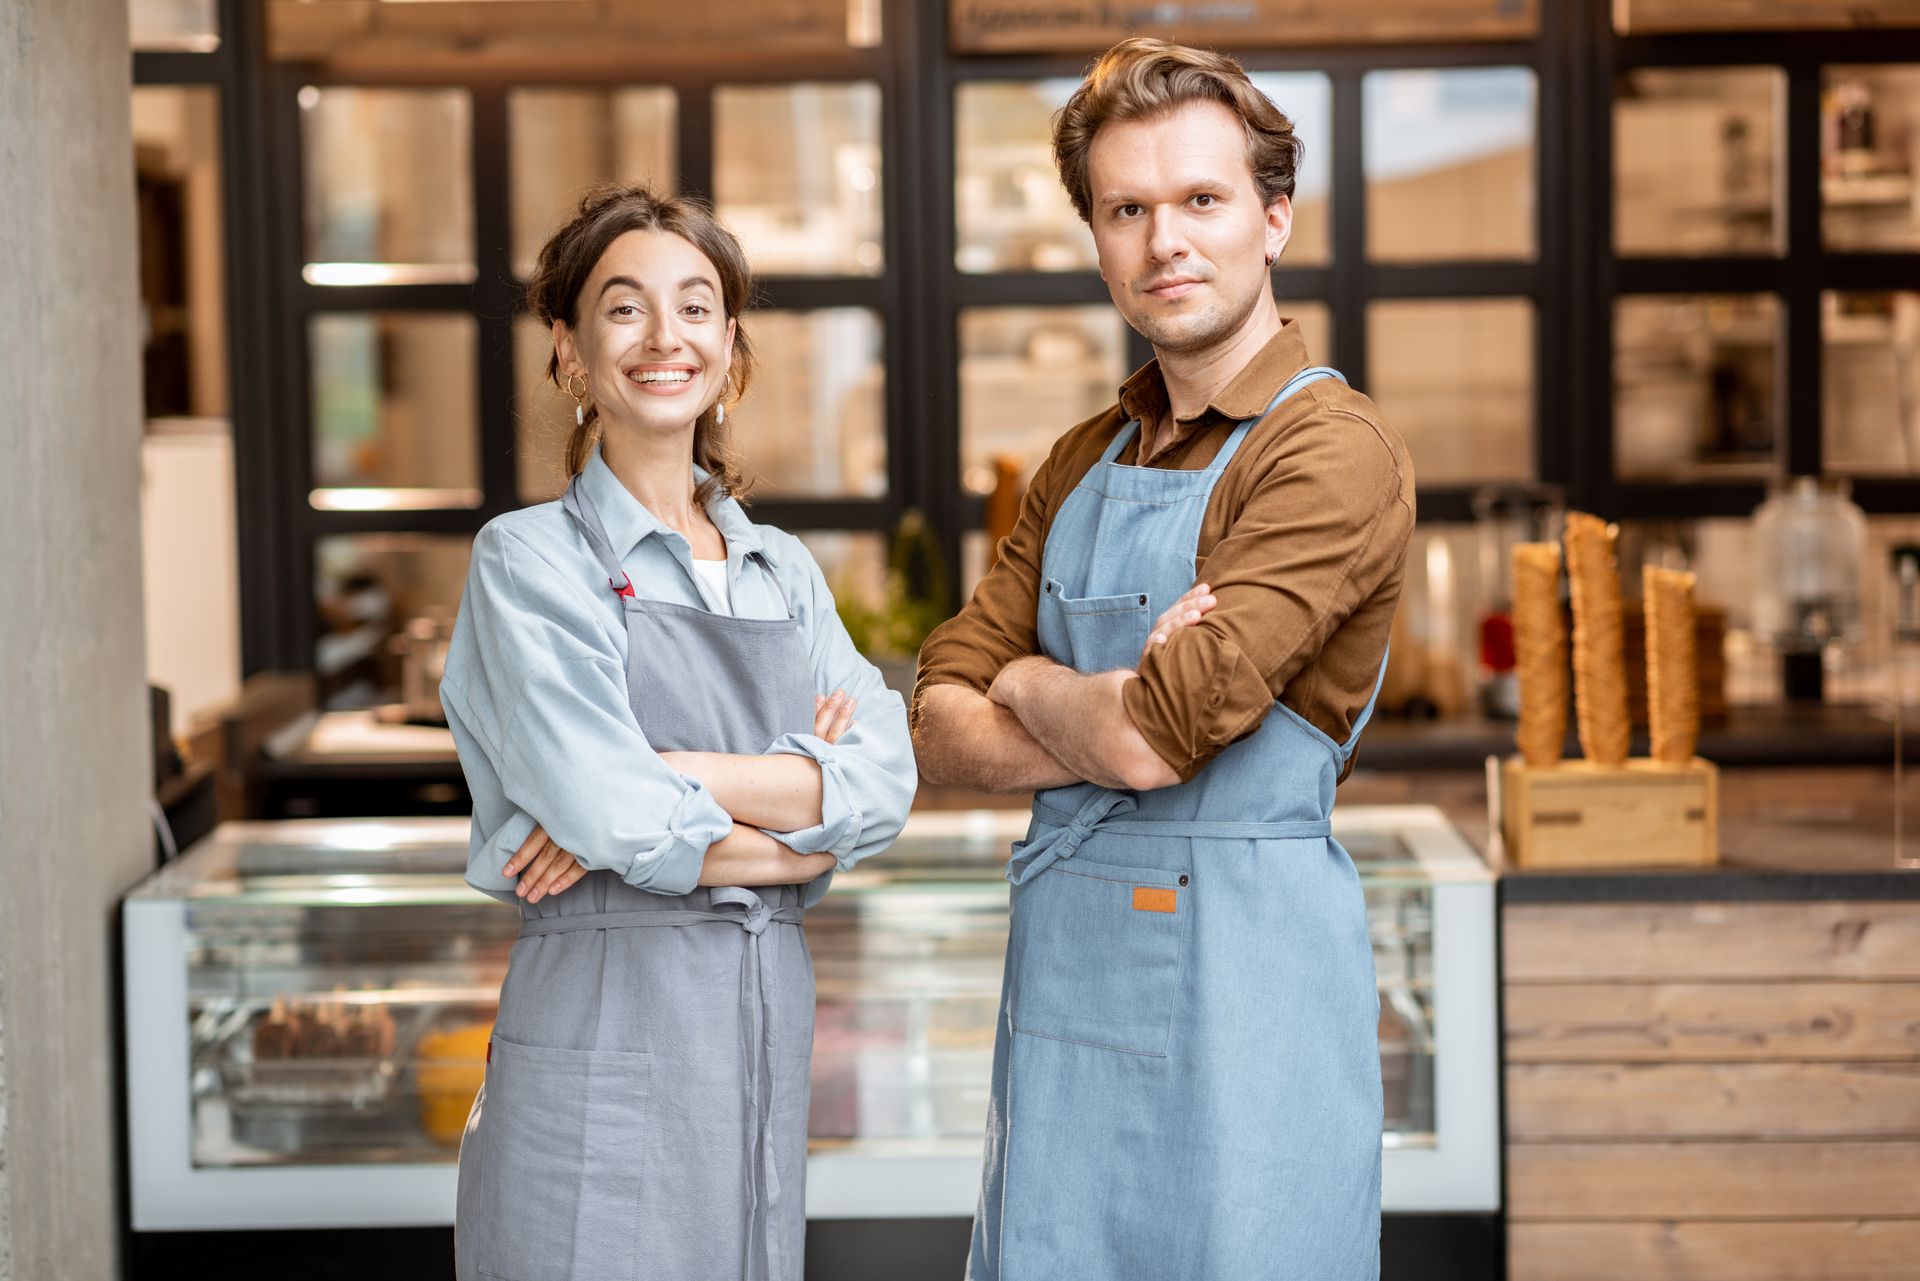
(1120,439)
(1366,713)
(1305,377)
(581,508)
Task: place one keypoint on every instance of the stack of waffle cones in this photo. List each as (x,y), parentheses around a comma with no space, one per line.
(1599,653)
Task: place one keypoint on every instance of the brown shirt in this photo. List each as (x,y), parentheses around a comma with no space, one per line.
(1304,542)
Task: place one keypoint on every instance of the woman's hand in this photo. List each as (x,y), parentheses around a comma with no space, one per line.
(833,716)
(543,867)
(1185,612)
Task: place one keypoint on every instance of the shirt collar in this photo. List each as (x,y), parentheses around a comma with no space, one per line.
(628,522)
(1247,394)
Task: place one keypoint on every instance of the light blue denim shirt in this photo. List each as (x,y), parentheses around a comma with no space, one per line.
(535,693)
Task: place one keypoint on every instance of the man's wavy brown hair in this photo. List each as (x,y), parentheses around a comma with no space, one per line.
(1141,78)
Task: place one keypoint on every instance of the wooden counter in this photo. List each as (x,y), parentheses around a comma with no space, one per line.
(1715,1075)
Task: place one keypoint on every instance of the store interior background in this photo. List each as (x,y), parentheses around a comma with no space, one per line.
(1565,260)
(1655,275)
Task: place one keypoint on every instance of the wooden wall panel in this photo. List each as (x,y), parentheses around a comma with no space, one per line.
(1705,1022)
(1712,1091)
(1713,1101)
(1713,1180)
(1696,941)
(1833,1250)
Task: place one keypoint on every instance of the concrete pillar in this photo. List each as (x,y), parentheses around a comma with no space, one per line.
(74,743)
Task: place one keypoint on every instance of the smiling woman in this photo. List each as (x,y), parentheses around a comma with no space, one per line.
(672,745)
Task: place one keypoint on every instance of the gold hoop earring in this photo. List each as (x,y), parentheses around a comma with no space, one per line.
(579,399)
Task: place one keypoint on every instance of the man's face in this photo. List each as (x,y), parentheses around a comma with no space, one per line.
(1180,228)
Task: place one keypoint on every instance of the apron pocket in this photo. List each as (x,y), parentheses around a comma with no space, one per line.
(1104,632)
(564,1146)
(1099,948)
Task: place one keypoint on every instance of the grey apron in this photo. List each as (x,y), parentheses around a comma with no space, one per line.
(645,1107)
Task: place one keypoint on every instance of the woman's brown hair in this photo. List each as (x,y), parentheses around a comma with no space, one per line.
(1143,77)
(567,261)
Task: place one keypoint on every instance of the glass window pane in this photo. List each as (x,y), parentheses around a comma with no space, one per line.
(797,176)
(814,421)
(1307,98)
(389,185)
(1450,164)
(1693,386)
(542,415)
(1010,211)
(1027,374)
(890,591)
(1871,383)
(1455,378)
(1698,163)
(1316,326)
(365,589)
(395,421)
(176,149)
(1868,120)
(854,565)
(174,26)
(563,142)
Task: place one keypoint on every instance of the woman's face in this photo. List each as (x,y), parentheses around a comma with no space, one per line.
(653,339)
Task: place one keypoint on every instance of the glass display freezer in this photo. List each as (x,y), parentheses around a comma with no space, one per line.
(309,1003)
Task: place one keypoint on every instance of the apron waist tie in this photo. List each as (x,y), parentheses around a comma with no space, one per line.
(753,917)
(1101,813)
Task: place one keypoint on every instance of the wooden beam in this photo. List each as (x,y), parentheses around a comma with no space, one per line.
(1704,941)
(1715,1180)
(1708,1022)
(1661,17)
(1088,26)
(1791,1250)
(1548,1102)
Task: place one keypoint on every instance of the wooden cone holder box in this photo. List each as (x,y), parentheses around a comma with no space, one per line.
(1577,814)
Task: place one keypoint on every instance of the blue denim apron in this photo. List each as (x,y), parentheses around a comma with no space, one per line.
(1186,1077)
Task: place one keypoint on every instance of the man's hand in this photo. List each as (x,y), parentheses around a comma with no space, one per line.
(833,715)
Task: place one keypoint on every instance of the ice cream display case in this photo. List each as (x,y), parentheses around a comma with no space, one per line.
(308,1006)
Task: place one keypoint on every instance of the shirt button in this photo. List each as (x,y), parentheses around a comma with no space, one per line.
(1183,880)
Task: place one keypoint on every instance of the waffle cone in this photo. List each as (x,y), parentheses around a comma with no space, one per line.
(1673,685)
(1540,652)
(1599,648)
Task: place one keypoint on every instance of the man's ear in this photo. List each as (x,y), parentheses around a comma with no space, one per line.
(1279,227)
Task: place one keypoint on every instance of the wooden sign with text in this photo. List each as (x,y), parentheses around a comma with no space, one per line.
(1088,26)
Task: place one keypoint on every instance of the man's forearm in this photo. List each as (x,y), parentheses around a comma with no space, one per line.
(780,792)
(1082,722)
(960,737)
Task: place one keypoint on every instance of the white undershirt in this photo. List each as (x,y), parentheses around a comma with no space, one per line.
(711,575)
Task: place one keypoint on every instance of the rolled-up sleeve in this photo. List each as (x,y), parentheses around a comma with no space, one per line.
(868,778)
(565,750)
(1327,522)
